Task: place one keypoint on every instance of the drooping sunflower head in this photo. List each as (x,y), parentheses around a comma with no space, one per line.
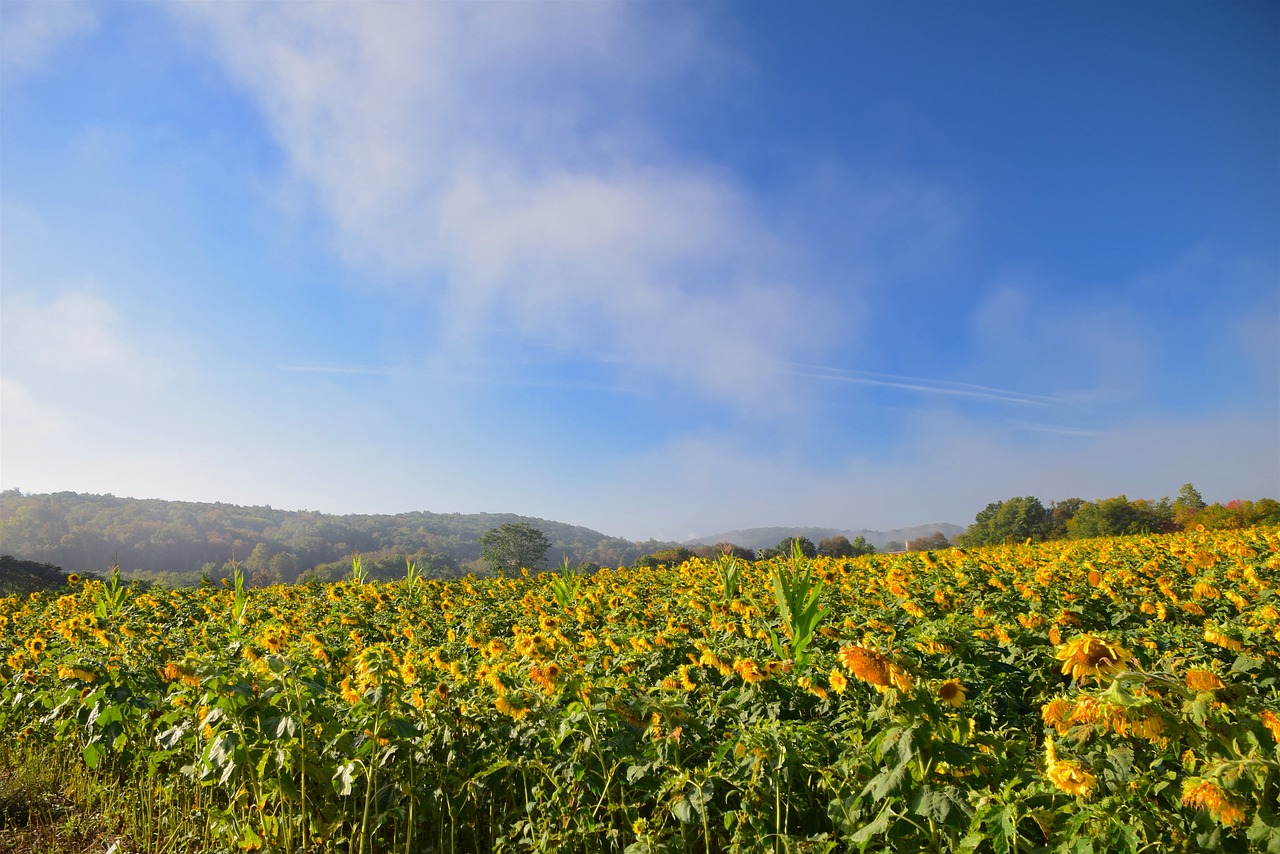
(1090,656)
(1072,778)
(1206,795)
(874,668)
(1203,680)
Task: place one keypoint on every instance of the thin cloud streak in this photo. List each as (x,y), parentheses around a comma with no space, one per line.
(924,385)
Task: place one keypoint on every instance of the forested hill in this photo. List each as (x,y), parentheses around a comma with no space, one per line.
(163,539)
(893,540)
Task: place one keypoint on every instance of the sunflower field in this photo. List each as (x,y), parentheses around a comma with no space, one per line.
(1116,695)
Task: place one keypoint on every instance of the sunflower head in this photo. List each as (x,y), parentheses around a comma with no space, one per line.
(952,693)
(874,668)
(1090,656)
(1206,795)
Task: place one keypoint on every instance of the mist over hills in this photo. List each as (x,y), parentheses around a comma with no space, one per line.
(763,538)
(88,533)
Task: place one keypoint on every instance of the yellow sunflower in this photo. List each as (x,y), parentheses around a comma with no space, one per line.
(1089,656)
(874,668)
(1203,794)
(952,693)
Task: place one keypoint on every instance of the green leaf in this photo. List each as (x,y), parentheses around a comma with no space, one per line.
(946,805)
(880,825)
(1245,664)
(92,754)
(169,739)
(344,779)
(685,810)
(1265,834)
(281,728)
(888,782)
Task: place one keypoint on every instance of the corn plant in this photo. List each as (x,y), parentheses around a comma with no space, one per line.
(566,585)
(729,571)
(796,595)
(358,573)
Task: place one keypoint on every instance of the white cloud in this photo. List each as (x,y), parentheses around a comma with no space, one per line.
(23,416)
(500,156)
(30,32)
(74,332)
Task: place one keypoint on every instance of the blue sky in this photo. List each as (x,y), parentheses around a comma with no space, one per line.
(658,269)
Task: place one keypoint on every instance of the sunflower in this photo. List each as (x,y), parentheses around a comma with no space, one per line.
(1071,777)
(1203,680)
(748,670)
(1089,656)
(1206,795)
(1217,638)
(874,668)
(952,693)
(1271,721)
(512,710)
(837,681)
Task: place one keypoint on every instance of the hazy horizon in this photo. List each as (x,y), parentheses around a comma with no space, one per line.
(659,270)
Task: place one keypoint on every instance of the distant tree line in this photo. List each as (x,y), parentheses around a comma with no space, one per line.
(177,543)
(1016,520)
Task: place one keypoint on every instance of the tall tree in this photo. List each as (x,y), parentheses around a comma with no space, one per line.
(1011,521)
(840,546)
(514,546)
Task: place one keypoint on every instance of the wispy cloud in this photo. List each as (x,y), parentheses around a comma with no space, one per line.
(499,158)
(923,385)
(30,32)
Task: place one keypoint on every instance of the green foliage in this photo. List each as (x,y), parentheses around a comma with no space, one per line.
(514,546)
(729,571)
(1013,521)
(20,577)
(1118,516)
(1020,519)
(797,596)
(173,542)
(566,585)
(663,557)
(787,546)
(840,546)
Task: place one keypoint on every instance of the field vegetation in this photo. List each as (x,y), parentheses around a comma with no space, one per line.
(1112,694)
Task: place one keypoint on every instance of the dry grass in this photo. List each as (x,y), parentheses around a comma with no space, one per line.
(46,811)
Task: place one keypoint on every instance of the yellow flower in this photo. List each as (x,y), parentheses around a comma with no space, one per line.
(1203,794)
(1057,714)
(1089,656)
(952,693)
(812,687)
(1217,638)
(513,710)
(837,681)
(1071,777)
(874,668)
(348,693)
(1271,721)
(1203,680)
(748,670)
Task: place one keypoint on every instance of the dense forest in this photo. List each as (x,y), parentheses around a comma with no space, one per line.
(1027,519)
(174,542)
